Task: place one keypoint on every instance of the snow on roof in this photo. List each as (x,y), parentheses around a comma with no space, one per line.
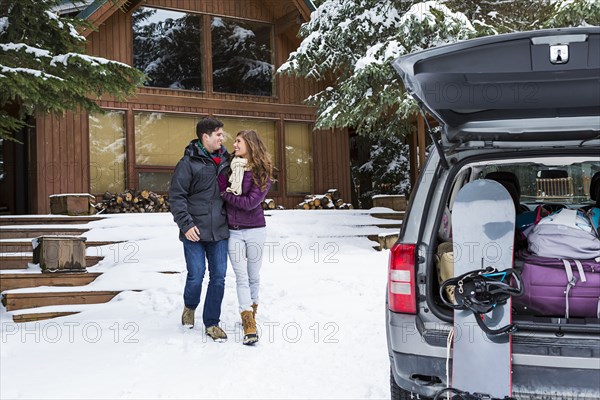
(70,6)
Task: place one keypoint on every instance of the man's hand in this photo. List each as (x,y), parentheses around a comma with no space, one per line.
(193,234)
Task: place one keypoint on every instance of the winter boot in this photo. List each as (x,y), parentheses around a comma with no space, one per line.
(187,318)
(216,333)
(249,324)
(254,309)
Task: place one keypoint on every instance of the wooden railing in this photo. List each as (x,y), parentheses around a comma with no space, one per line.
(554,188)
(586,185)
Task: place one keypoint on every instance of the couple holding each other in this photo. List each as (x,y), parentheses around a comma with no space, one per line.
(216,202)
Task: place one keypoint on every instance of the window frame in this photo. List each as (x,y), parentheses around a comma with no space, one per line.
(207,53)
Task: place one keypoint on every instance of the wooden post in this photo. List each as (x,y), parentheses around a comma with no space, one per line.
(414,164)
(396,202)
(59,253)
(71,204)
(422,144)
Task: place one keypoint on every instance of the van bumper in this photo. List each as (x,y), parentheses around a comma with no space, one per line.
(420,367)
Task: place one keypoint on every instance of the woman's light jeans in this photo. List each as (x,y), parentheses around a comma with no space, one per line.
(245,249)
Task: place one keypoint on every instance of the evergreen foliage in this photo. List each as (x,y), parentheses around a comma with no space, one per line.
(386,169)
(574,13)
(44,68)
(491,17)
(349,45)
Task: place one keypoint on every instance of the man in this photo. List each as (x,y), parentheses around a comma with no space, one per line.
(199,212)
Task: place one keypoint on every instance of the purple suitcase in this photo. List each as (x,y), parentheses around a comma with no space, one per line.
(547,290)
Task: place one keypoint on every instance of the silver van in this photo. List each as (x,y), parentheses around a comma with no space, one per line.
(524,105)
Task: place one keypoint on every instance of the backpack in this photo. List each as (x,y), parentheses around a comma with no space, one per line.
(565,234)
(594,216)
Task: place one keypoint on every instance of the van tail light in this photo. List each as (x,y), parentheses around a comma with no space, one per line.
(402,296)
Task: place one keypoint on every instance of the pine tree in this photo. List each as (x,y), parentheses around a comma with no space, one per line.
(44,68)
(574,13)
(491,17)
(386,171)
(349,45)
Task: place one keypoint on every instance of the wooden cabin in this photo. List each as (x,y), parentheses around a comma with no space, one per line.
(202,58)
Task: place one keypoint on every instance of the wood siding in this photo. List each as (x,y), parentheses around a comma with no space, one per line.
(62,161)
(331,149)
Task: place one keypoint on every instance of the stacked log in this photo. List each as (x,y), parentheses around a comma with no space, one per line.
(329,200)
(133,201)
(269,204)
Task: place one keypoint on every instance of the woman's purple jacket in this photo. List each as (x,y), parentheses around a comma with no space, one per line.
(245,211)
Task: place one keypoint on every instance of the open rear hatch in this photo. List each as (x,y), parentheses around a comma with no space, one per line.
(511,87)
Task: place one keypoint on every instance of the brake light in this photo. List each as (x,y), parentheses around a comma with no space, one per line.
(401,279)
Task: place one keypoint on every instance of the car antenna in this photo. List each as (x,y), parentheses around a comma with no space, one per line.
(437,145)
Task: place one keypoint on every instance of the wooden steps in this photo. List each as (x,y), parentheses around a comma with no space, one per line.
(21,300)
(23,246)
(25,233)
(385,240)
(46,220)
(10,281)
(395,216)
(389,226)
(41,316)
(68,294)
(15,262)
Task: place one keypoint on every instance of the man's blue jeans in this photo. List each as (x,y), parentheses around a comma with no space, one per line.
(196,254)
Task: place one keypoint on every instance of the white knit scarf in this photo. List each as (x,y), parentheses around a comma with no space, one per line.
(238,166)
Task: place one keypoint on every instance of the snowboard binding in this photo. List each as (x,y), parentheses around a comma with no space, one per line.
(481,290)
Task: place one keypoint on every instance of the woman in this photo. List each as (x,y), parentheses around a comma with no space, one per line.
(250,180)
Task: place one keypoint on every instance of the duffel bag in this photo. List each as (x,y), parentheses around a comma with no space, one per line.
(564,234)
(444,262)
(559,287)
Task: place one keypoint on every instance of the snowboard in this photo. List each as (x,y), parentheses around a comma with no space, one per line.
(483,229)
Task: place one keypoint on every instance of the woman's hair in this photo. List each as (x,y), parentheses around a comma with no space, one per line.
(259,159)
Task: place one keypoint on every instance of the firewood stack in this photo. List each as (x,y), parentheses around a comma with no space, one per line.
(329,200)
(133,201)
(269,204)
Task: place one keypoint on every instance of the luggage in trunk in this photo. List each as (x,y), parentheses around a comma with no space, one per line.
(559,287)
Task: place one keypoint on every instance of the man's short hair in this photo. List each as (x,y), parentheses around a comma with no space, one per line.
(208,126)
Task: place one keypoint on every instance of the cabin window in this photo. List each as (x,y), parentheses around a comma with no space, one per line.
(107,152)
(266,130)
(242,57)
(161,138)
(155,181)
(167,47)
(298,158)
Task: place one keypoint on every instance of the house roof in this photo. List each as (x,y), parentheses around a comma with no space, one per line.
(91,8)
(69,6)
(100,10)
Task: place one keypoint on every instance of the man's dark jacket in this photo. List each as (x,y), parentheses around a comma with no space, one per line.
(194,194)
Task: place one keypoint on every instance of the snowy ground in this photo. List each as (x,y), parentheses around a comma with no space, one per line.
(321,320)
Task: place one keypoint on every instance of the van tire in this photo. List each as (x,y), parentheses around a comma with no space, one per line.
(397,393)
